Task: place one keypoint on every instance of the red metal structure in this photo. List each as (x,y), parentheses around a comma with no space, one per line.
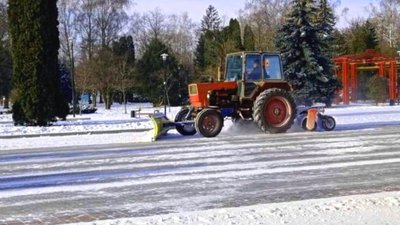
(348,66)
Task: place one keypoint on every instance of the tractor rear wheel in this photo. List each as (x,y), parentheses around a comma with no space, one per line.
(209,122)
(274,110)
(185,130)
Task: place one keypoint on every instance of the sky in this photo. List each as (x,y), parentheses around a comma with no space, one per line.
(230,8)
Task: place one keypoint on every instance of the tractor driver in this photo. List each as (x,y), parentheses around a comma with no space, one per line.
(255,73)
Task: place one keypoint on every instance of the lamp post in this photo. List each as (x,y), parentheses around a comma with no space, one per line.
(73,77)
(164,58)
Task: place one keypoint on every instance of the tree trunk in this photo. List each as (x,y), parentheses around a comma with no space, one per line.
(124,99)
(6,102)
(94,99)
(108,100)
(101,98)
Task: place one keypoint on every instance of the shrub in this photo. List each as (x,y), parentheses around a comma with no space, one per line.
(377,89)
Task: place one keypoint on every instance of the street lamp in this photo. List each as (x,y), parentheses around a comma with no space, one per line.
(164,58)
(72,77)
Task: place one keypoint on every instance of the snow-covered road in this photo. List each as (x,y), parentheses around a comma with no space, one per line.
(175,175)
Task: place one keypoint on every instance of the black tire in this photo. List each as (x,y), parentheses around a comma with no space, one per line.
(186,130)
(274,110)
(209,122)
(304,125)
(328,123)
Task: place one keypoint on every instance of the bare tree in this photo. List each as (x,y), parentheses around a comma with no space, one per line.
(148,26)
(110,17)
(181,38)
(154,22)
(85,76)
(67,17)
(104,68)
(264,17)
(386,18)
(124,78)
(87,27)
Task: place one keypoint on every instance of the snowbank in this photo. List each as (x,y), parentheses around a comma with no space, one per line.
(372,209)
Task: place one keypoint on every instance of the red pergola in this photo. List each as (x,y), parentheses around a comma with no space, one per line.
(348,65)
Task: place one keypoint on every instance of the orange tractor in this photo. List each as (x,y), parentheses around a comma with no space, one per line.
(254,89)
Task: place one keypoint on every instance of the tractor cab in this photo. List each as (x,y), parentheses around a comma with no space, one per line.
(250,69)
(253,67)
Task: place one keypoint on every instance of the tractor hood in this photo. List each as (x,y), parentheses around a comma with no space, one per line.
(198,91)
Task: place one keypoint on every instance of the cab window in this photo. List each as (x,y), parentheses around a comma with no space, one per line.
(234,68)
(272,67)
(253,68)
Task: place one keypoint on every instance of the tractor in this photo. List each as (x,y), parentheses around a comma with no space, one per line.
(253,89)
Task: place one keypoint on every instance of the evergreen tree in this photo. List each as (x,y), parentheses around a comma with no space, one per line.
(65,80)
(248,39)
(199,54)
(325,22)
(234,34)
(151,71)
(305,65)
(357,38)
(208,48)
(341,44)
(5,74)
(377,89)
(211,20)
(125,47)
(364,37)
(35,44)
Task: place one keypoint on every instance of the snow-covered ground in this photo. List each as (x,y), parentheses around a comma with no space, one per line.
(347,118)
(375,209)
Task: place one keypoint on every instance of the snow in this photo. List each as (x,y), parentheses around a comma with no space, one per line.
(373,209)
(347,118)
(377,209)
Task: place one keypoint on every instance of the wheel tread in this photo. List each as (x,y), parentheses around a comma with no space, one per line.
(258,110)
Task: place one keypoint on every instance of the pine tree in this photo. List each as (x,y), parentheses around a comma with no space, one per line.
(125,47)
(248,39)
(5,74)
(65,80)
(35,44)
(211,20)
(234,34)
(357,38)
(207,56)
(370,35)
(325,22)
(199,54)
(305,65)
(151,71)
(363,37)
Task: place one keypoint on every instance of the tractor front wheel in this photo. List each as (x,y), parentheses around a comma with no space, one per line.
(274,110)
(209,122)
(185,130)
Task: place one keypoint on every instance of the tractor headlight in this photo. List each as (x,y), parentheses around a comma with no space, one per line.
(193,89)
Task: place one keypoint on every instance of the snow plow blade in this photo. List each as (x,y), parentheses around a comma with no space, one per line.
(161,125)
